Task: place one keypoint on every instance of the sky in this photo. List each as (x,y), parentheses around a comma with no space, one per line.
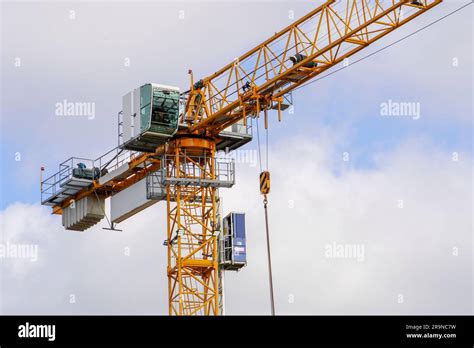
(396,188)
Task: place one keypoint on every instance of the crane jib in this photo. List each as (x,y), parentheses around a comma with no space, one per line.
(294,56)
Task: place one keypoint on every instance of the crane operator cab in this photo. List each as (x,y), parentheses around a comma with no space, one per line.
(149,117)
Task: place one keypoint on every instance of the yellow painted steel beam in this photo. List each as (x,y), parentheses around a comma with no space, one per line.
(138,168)
(198,263)
(324,36)
(193,269)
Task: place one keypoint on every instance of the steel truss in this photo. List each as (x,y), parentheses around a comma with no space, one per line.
(193,268)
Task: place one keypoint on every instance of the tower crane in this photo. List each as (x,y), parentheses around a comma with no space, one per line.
(169,141)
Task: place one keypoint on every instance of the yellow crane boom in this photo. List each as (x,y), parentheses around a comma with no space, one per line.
(323,38)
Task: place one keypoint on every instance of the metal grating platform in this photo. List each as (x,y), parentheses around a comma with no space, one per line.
(67,189)
(157,181)
(224,172)
(68,181)
(231,141)
(199,182)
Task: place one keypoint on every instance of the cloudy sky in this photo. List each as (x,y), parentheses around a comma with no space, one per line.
(397,187)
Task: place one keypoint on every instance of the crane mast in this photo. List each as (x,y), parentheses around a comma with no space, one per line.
(193,228)
(183,169)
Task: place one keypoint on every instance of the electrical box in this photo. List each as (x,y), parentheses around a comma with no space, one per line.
(149,117)
(233,249)
(234,136)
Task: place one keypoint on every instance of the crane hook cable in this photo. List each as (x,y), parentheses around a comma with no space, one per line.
(266,147)
(270,276)
(265,191)
(258,145)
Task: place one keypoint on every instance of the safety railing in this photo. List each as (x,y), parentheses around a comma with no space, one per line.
(196,171)
(85,169)
(53,184)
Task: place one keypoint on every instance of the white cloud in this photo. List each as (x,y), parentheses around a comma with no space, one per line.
(408,251)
